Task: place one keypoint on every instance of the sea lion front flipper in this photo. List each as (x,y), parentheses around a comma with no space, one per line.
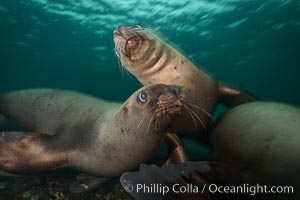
(153,182)
(233,97)
(6,137)
(86,182)
(178,154)
(27,152)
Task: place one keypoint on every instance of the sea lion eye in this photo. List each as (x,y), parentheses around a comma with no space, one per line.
(143,96)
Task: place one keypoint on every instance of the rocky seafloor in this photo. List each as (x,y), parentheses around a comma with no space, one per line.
(55,186)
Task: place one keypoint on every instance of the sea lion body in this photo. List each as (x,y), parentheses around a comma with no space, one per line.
(151,60)
(260,140)
(94,136)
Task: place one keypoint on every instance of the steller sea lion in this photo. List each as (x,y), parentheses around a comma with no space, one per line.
(151,60)
(68,129)
(260,141)
(258,147)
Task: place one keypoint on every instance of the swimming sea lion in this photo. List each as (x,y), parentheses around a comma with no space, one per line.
(152,61)
(94,136)
(260,140)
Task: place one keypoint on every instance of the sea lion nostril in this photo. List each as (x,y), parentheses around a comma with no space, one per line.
(118,31)
(138,26)
(175,89)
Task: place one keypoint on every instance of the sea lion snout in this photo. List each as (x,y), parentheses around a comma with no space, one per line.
(164,102)
(178,92)
(171,100)
(117,32)
(126,31)
(175,89)
(127,40)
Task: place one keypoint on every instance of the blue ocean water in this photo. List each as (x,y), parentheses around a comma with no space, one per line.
(251,44)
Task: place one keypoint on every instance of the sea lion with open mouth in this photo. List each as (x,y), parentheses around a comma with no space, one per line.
(151,60)
(68,129)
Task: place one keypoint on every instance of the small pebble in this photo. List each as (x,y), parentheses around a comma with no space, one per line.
(35,197)
(57,195)
(99,194)
(26,195)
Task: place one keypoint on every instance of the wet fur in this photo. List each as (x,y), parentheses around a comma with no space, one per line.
(79,131)
(155,61)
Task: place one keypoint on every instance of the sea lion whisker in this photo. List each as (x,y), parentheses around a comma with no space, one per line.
(188,109)
(149,124)
(190,97)
(133,33)
(118,52)
(143,29)
(118,47)
(140,122)
(122,63)
(165,107)
(156,117)
(198,117)
(122,66)
(154,109)
(155,32)
(201,109)
(156,120)
(139,29)
(124,69)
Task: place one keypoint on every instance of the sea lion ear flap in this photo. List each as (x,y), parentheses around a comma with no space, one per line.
(163,180)
(125,107)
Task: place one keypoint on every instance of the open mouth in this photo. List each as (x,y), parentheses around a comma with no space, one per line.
(127,40)
(128,33)
(132,43)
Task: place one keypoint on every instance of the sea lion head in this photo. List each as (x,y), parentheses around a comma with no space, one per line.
(137,48)
(154,108)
